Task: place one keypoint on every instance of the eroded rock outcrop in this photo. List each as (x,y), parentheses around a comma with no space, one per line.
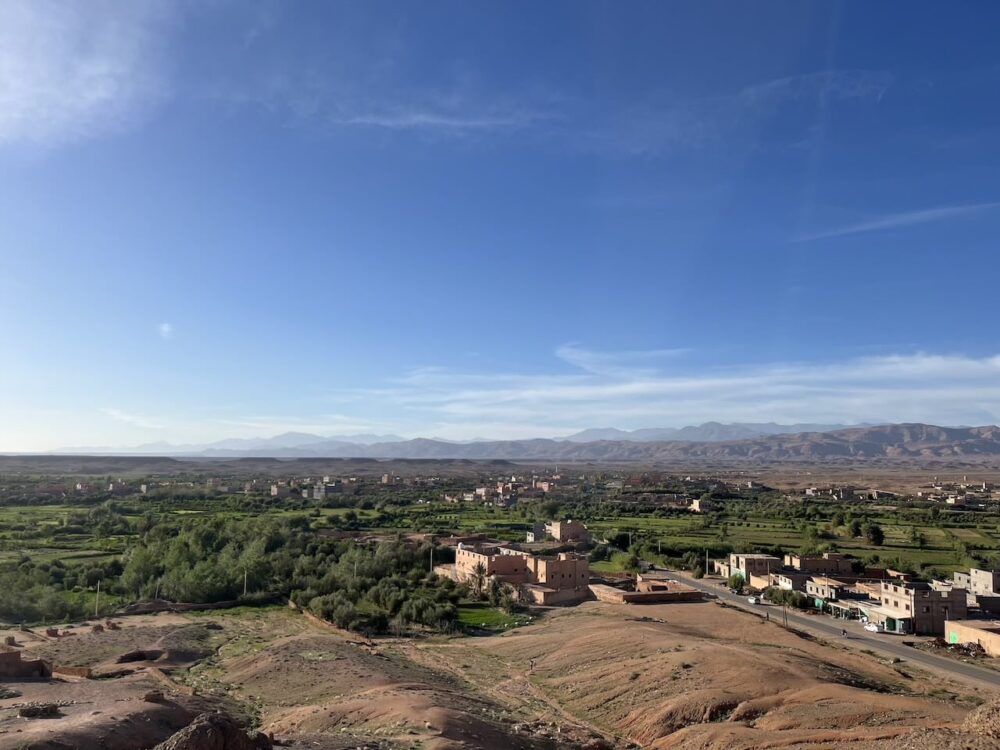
(214,732)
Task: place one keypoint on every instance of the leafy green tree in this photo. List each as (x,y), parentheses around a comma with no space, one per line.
(874,534)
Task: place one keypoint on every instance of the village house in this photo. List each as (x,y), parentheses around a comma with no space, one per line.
(789,580)
(700,505)
(753,565)
(914,607)
(567,531)
(983,587)
(829,563)
(544,579)
(823,590)
(979,582)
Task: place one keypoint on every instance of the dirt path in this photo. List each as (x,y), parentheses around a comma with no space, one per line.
(516,692)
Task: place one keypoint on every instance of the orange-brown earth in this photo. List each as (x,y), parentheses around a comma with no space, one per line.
(662,676)
(704,677)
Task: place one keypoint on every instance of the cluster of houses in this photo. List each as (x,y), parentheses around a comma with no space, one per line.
(506,492)
(964,494)
(889,599)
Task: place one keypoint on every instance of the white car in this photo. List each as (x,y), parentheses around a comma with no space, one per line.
(755,599)
(874,627)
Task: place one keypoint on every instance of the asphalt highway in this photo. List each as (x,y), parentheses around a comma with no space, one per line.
(883,644)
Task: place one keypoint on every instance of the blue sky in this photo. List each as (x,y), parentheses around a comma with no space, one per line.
(493,219)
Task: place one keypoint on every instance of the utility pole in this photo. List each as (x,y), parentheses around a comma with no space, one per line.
(97,601)
(156,594)
(244,581)
(431,570)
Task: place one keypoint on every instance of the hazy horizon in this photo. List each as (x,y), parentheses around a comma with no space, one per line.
(235,220)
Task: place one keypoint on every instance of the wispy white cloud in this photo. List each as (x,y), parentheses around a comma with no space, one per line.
(619,363)
(320,424)
(943,389)
(69,71)
(822,84)
(666,123)
(904,219)
(420,119)
(165,330)
(135,420)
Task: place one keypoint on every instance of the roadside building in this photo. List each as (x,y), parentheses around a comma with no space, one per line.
(823,590)
(983,587)
(915,607)
(753,565)
(979,582)
(789,581)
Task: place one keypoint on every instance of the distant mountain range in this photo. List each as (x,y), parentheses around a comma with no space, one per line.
(890,442)
(249,446)
(312,444)
(709,432)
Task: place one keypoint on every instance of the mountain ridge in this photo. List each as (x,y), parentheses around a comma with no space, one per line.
(892,441)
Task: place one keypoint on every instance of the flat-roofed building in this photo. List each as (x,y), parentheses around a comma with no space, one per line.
(753,565)
(979,582)
(829,563)
(824,589)
(915,607)
(567,531)
(544,579)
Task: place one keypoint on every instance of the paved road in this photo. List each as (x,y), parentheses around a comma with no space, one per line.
(887,645)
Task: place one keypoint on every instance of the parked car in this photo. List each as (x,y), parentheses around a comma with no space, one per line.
(874,627)
(755,599)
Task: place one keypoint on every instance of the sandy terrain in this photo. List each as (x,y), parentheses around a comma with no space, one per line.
(706,677)
(658,676)
(95,715)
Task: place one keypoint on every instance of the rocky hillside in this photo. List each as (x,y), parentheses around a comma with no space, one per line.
(894,442)
(899,441)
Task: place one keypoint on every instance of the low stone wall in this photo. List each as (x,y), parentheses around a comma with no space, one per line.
(13,666)
(71,671)
(554,597)
(955,631)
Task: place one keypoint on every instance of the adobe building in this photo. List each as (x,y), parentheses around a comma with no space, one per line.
(753,565)
(544,579)
(567,531)
(827,564)
(650,588)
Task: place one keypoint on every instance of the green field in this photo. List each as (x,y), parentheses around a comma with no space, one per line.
(489,618)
